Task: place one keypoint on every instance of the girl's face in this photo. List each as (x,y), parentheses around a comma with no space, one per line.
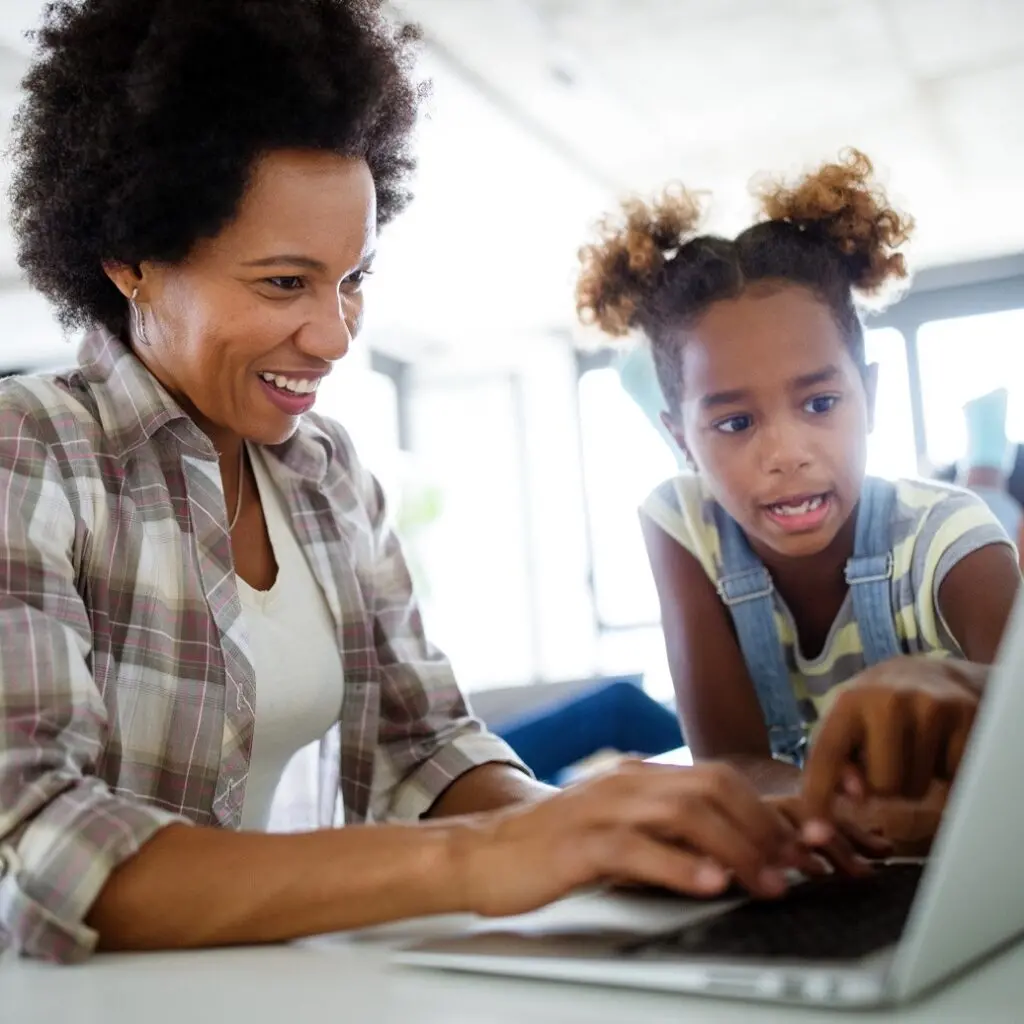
(775,416)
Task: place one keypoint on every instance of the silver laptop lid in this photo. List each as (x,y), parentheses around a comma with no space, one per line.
(972,897)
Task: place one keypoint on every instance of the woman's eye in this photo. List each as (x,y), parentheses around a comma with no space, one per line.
(734,424)
(821,404)
(356,278)
(286,284)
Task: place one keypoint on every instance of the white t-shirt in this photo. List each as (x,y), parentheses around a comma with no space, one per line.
(294,645)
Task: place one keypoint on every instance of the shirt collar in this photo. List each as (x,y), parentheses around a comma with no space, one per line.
(309,452)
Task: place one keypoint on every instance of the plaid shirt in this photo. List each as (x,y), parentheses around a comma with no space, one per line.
(127,691)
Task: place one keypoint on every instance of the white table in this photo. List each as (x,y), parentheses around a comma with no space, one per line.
(351,979)
(679,756)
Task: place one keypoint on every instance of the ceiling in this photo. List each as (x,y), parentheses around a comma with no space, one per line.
(644,91)
(544,111)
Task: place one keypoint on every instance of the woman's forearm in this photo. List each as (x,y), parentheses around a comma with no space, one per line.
(192,887)
(488,787)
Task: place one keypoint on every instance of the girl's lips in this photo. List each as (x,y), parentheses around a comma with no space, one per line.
(815,511)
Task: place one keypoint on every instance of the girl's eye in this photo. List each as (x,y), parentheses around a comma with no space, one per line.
(821,404)
(735,424)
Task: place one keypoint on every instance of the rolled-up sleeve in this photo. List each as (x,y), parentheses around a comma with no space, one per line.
(428,738)
(62,830)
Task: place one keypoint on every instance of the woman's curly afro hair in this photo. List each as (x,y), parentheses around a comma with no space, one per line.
(143,119)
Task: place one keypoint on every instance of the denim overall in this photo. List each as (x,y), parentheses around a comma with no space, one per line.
(745,586)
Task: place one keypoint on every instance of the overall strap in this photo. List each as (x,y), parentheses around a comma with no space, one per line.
(869,572)
(746,588)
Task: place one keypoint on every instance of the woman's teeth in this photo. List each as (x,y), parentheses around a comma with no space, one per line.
(296,386)
(799,510)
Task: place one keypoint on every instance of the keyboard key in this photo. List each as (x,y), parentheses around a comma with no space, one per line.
(833,918)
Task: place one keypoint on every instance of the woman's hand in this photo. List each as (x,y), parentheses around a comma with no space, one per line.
(691,830)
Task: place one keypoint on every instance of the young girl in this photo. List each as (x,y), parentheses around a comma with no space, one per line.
(782,571)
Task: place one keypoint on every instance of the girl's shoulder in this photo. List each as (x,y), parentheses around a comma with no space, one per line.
(925,507)
(682,507)
(937,524)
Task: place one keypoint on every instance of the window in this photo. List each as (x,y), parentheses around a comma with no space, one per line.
(475,557)
(963,358)
(891,449)
(365,402)
(623,459)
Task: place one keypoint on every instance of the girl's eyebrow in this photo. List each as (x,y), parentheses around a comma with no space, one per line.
(805,380)
(718,398)
(809,380)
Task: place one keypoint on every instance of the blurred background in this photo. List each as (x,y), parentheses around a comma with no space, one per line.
(513,460)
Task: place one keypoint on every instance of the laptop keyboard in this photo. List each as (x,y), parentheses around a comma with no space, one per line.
(833,918)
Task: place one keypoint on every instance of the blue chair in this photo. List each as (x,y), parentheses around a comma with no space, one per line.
(617,715)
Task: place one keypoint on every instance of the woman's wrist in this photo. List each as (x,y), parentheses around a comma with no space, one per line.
(463,842)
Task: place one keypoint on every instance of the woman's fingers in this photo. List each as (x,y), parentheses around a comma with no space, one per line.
(710,810)
(634,857)
(717,836)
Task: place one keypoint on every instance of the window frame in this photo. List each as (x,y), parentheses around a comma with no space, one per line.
(948,293)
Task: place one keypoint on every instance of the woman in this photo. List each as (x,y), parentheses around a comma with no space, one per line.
(197,578)
(783,573)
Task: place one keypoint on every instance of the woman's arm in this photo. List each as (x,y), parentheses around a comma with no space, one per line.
(488,787)
(718,706)
(199,887)
(685,829)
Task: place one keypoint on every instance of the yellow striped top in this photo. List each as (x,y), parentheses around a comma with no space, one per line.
(934,527)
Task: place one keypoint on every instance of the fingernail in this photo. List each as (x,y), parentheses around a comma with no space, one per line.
(817,832)
(710,877)
(772,880)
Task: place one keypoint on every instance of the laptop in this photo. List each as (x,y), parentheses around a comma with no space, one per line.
(834,942)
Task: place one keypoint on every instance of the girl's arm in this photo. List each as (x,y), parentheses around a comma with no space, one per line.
(903,725)
(718,706)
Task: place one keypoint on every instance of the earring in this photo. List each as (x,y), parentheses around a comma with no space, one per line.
(138,320)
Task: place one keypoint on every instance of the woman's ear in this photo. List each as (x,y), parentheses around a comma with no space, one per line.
(128,280)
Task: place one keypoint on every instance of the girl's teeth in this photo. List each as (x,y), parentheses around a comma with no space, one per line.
(798,510)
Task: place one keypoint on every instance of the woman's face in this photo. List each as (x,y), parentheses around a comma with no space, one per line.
(776,416)
(244,329)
